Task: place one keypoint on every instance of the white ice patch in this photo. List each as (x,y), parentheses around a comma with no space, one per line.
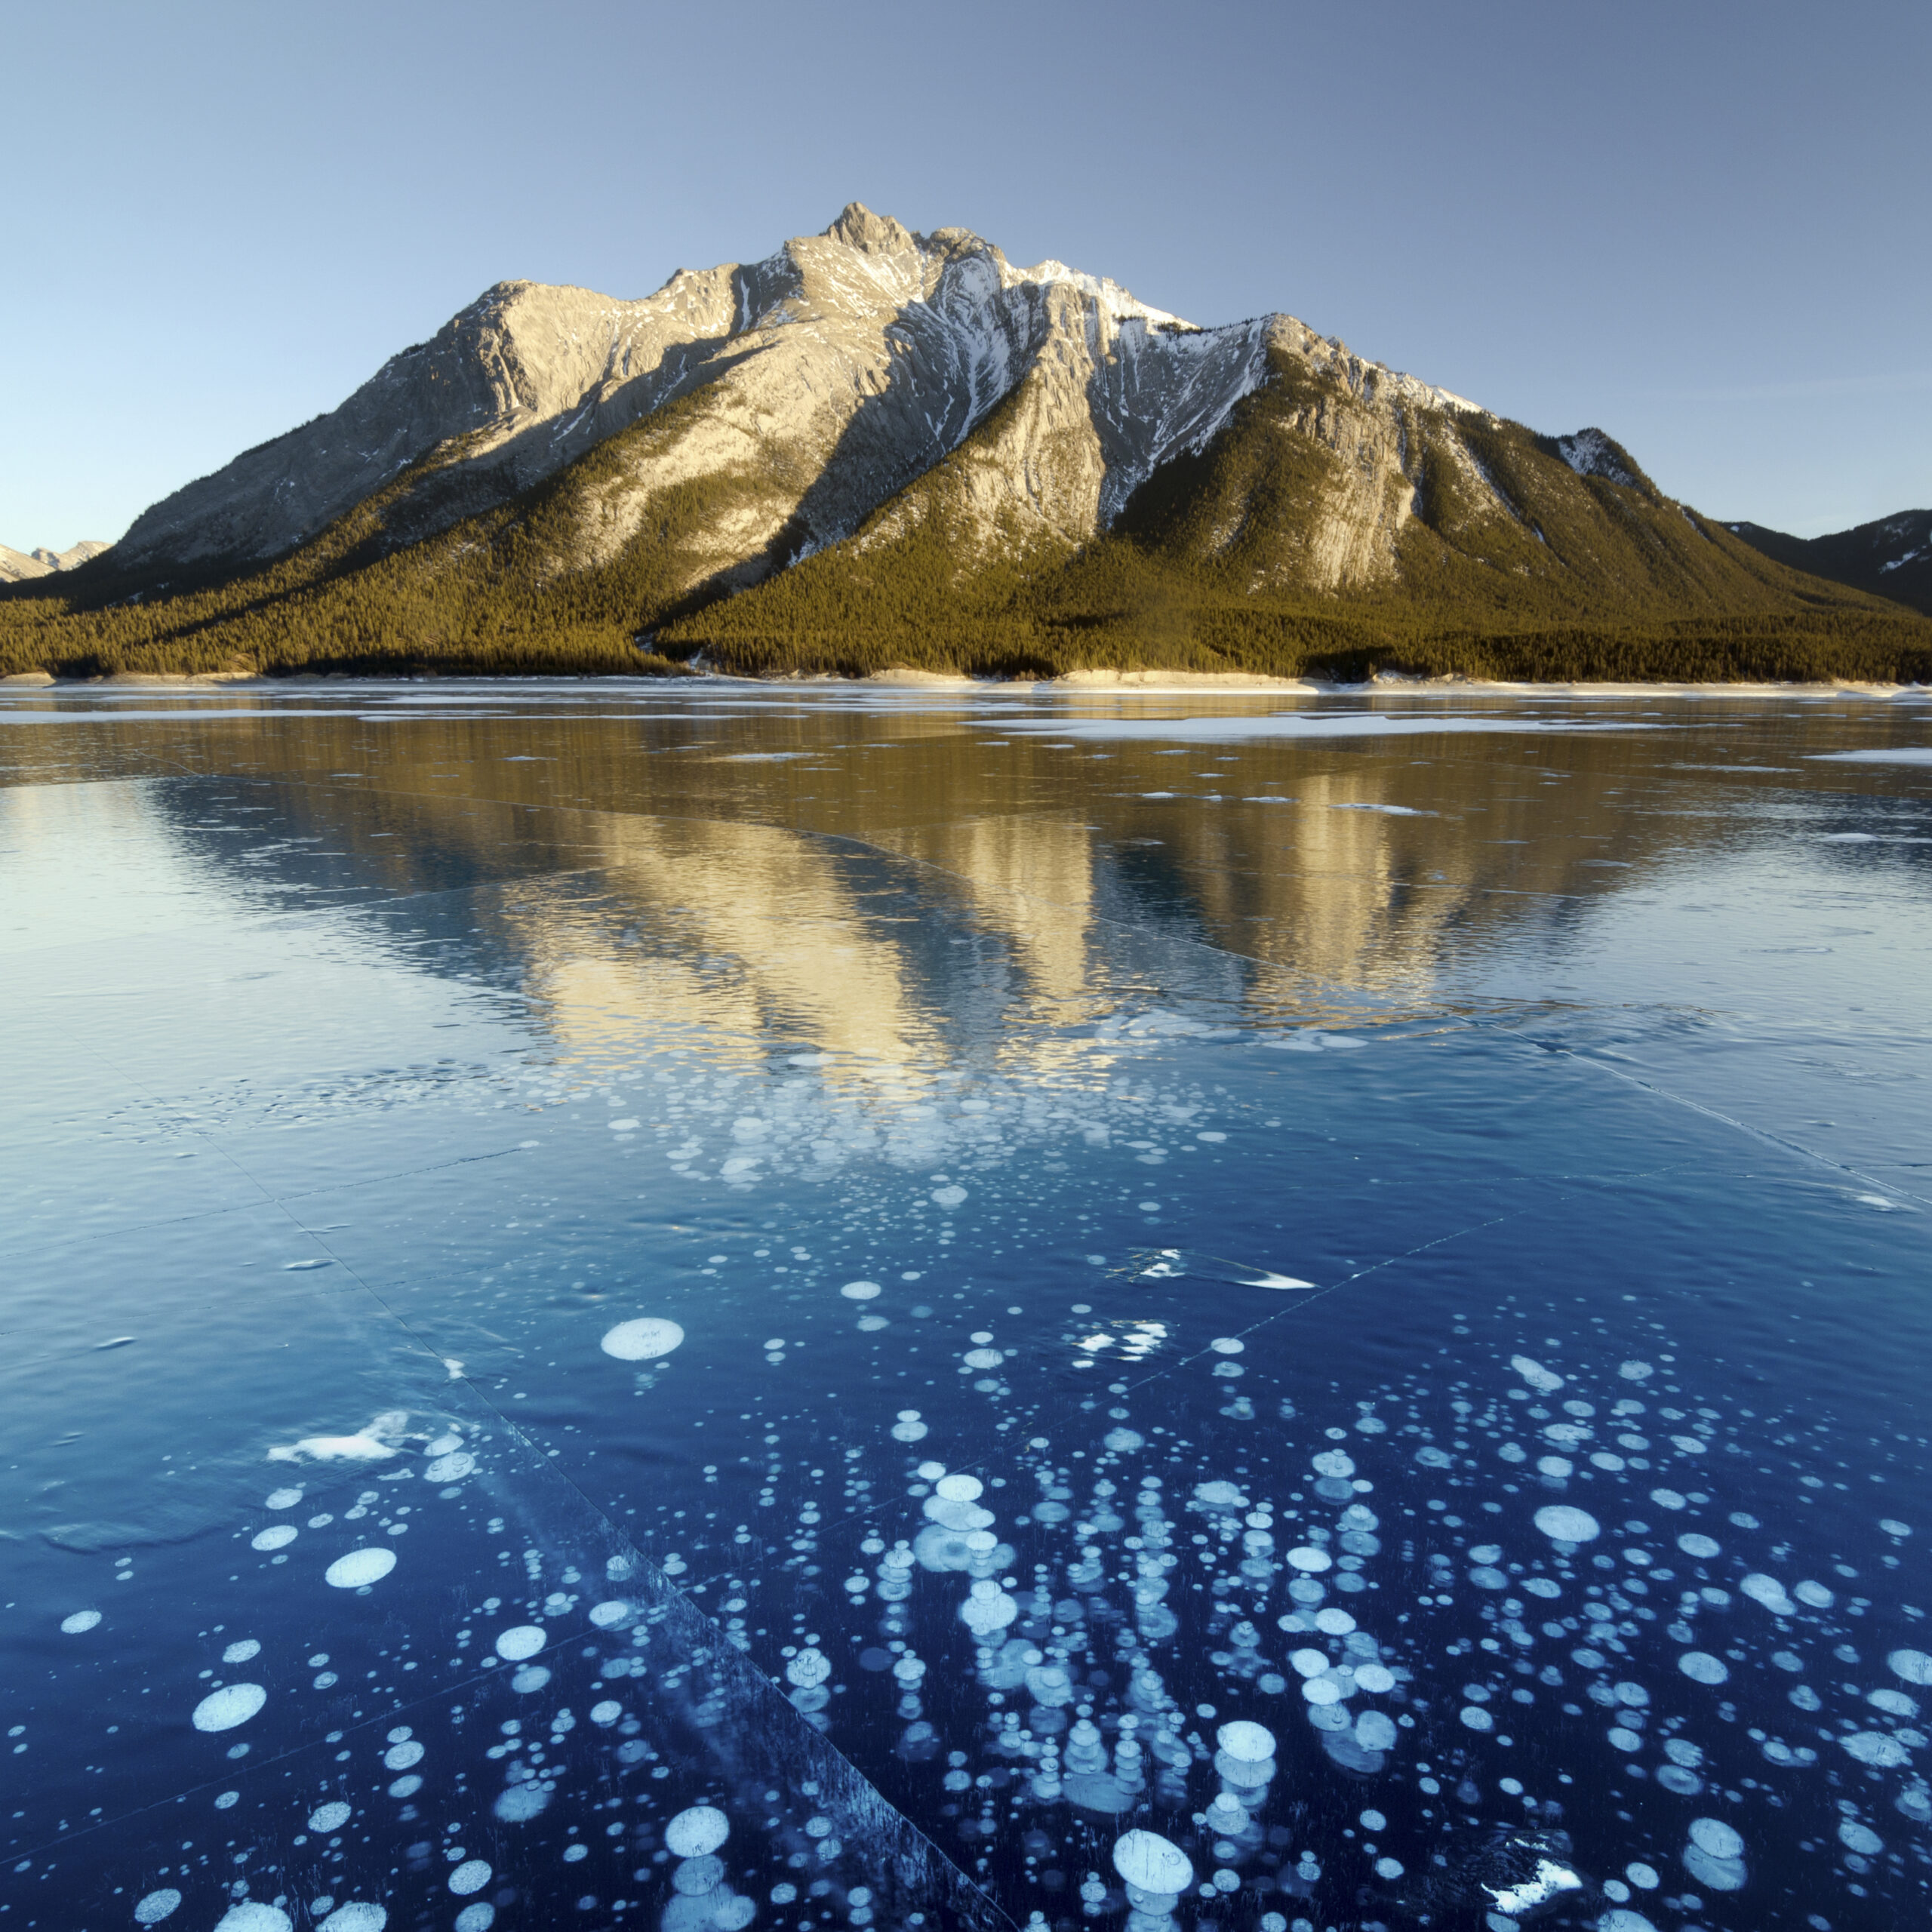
(359,1568)
(1246,1742)
(357,1915)
(233,1704)
(277,1536)
(361,1447)
(698,1832)
(1876,1748)
(1702,1668)
(1769,1592)
(80,1621)
(1168,1264)
(330,1817)
(452,1468)
(860,1290)
(521,1641)
(1914,1667)
(1550,1881)
(1562,1522)
(643,1340)
(1152,1864)
(1714,1836)
(156,1907)
(471,1875)
(1545,1381)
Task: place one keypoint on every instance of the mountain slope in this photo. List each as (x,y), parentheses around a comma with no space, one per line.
(826,377)
(876,447)
(1891,558)
(1341,516)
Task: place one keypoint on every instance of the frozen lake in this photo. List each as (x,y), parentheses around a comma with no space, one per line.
(711,1307)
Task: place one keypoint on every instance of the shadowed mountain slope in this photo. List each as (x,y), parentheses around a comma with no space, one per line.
(1891,558)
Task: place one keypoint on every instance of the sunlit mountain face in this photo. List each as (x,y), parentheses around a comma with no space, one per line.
(812,1306)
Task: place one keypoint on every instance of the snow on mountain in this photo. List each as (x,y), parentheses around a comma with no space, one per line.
(1590,453)
(1891,557)
(811,387)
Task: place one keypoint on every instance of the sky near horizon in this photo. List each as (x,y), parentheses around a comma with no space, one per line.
(1704,227)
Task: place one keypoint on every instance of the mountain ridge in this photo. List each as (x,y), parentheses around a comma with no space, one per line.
(876,445)
(1891,556)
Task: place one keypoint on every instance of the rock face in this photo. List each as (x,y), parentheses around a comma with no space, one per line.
(911,417)
(801,392)
(1891,558)
(16,566)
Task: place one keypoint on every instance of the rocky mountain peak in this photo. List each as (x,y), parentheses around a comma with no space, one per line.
(1590,453)
(856,384)
(858,227)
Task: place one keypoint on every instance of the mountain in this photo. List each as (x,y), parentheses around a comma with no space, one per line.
(1892,558)
(17,566)
(817,383)
(875,448)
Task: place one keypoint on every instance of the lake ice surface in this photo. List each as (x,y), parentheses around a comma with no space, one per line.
(617,1313)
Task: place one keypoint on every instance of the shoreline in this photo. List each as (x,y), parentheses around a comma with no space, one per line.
(1138,683)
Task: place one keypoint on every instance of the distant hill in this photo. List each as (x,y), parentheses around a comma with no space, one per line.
(19,567)
(877,448)
(1892,558)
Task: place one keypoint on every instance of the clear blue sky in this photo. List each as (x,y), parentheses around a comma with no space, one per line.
(1704,226)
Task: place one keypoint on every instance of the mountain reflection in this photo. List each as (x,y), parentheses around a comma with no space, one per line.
(906,889)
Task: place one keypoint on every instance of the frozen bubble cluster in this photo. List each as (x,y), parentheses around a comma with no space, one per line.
(1164,1674)
(1149,1589)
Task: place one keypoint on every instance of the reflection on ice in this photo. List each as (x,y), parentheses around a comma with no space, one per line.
(835,1516)
(1306,723)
